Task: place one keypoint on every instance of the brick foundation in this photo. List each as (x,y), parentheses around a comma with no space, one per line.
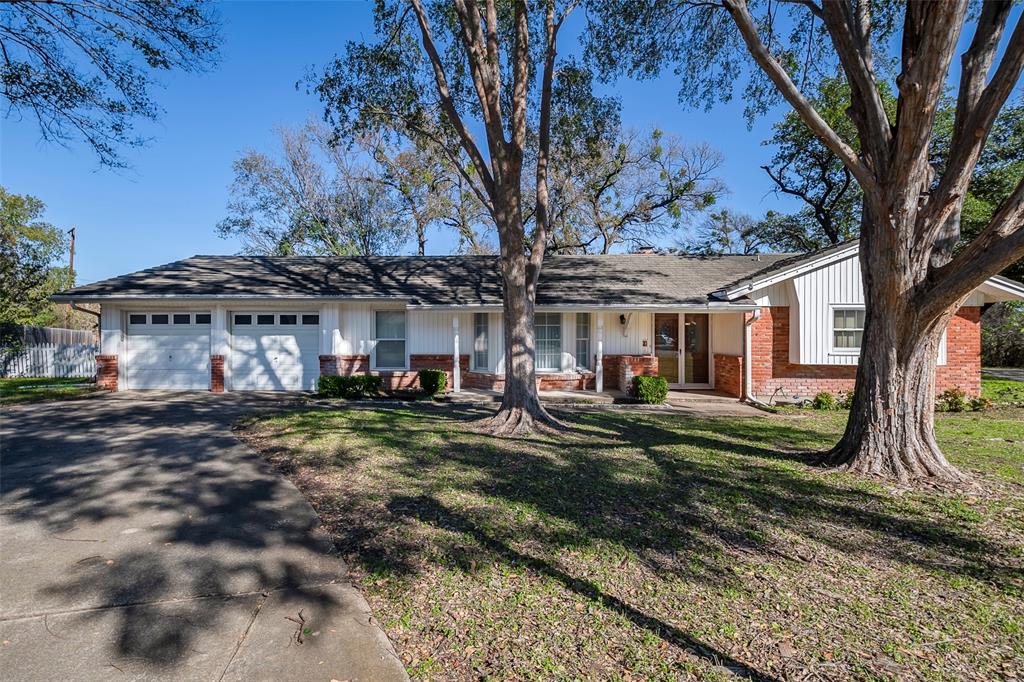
(620,369)
(729,374)
(345,365)
(773,374)
(106,372)
(217,373)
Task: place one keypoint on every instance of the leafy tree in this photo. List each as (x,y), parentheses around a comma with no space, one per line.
(30,249)
(1002,335)
(915,277)
(725,232)
(85,69)
(805,168)
(466,68)
(315,198)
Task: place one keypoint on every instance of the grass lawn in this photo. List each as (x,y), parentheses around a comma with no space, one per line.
(641,545)
(21,391)
(1002,390)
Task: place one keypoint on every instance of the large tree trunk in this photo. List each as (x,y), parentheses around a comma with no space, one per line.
(521,409)
(891,429)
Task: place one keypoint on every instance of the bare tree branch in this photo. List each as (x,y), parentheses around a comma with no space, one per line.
(447,102)
(748,30)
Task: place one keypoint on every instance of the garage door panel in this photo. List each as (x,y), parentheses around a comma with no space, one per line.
(169,358)
(184,380)
(274,358)
(176,341)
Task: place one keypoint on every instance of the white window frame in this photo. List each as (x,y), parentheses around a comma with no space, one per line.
(404,340)
(486,344)
(833,308)
(588,338)
(561,341)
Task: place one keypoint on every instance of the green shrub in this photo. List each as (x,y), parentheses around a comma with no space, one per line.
(953,400)
(824,401)
(329,386)
(650,390)
(433,381)
(980,404)
(845,401)
(352,387)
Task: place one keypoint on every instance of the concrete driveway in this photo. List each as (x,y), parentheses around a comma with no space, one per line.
(140,540)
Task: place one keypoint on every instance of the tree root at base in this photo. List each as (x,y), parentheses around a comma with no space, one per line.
(520,421)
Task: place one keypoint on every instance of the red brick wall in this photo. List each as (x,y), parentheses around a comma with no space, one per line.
(729,374)
(963,353)
(217,373)
(771,370)
(106,372)
(345,365)
(638,365)
(558,381)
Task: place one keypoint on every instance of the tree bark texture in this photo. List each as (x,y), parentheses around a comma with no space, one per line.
(913,282)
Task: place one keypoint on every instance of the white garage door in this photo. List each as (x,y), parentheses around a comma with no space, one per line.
(169,350)
(272,351)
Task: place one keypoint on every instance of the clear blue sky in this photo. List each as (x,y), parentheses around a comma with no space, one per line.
(166,206)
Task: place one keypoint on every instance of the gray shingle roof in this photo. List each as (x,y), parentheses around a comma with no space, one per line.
(610,280)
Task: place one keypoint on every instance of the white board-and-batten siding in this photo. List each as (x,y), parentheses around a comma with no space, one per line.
(811,297)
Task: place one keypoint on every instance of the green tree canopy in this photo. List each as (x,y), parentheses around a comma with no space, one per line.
(30,252)
(85,70)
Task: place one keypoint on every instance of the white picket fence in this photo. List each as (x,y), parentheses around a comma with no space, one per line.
(50,360)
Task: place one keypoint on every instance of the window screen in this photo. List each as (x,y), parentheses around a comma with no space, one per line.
(549,341)
(583,340)
(480,340)
(390,347)
(847,328)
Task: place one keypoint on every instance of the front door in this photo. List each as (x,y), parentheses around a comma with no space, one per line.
(666,346)
(696,350)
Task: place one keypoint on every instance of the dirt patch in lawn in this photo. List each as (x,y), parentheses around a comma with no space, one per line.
(647,546)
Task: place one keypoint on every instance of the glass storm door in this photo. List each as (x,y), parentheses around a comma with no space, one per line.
(666,346)
(696,350)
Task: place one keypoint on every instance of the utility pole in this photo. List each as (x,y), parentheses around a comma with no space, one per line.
(71,275)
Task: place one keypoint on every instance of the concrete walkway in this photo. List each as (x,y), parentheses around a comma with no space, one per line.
(139,540)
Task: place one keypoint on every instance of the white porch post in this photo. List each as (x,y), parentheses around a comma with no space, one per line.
(456,370)
(599,364)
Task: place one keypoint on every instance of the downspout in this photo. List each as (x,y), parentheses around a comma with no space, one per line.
(748,373)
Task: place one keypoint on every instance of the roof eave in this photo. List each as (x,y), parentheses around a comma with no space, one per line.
(812,263)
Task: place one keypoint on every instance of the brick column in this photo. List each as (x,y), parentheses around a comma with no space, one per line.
(217,373)
(106,372)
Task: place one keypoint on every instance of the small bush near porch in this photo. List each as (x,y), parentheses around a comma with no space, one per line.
(651,546)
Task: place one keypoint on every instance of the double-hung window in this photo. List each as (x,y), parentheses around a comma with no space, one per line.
(583,340)
(480,341)
(847,329)
(548,327)
(390,339)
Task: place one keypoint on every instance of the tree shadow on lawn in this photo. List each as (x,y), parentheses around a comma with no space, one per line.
(684,497)
(693,485)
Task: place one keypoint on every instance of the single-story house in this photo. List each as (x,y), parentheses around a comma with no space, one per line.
(779,325)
